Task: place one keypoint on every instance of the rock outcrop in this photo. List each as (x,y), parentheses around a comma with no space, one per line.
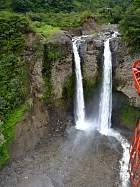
(58,59)
(33,125)
(91,52)
(122,71)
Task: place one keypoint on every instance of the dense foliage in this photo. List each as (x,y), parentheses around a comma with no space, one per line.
(11,67)
(12,74)
(42,5)
(130,25)
(48,23)
(111,9)
(5,4)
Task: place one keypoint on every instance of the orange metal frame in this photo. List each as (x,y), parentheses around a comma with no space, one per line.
(134,162)
(136,75)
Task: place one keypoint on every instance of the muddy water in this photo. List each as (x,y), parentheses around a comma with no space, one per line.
(74,160)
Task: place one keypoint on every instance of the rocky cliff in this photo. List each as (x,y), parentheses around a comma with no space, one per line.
(57,67)
(122,71)
(51,80)
(33,125)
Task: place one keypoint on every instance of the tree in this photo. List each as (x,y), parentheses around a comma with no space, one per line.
(130,25)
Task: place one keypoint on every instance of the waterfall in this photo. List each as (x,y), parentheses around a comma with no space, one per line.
(105,108)
(79,101)
(105,111)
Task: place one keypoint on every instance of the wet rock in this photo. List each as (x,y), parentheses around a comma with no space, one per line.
(91,52)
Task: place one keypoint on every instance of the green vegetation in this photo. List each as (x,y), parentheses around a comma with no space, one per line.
(12,76)
(88,85)
(108,6)
(43,29)
(130,26)
(61,19)
(111,10)
(68,90)
(129,115)
(51,22)
(5,4)
(7,131)
(42,5)
(12,68)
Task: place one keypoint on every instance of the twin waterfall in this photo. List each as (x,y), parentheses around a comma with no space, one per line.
(106,93)
(105,105)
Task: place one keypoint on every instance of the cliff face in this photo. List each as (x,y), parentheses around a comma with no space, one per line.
(58,69)
(33,125)
(122,71)
(91,52)
(51,80)
(58,63)
(59,75)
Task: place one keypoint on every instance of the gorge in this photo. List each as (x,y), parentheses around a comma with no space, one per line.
(75,158)
(68,103)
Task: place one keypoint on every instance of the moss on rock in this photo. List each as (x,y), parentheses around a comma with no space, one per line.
(51,54)
(89,86)
(68,89)
(129,115)
(7,130)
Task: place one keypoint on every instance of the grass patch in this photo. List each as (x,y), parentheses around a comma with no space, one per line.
(49,23)
(129,115)
(13,117)
(8,131)
(44,29)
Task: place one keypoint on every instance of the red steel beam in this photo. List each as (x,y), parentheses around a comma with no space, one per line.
(134,162)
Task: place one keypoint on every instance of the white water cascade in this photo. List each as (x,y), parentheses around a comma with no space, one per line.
(105,108)
(105,111)
(80,106)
